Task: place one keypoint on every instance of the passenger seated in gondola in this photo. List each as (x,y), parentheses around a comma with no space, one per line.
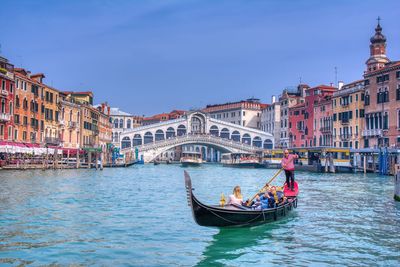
(236,198)
(270,199)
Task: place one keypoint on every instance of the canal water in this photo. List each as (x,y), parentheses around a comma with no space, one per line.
(138,216)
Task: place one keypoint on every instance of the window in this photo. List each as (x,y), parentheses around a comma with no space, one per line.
(334,117)
(398,75)
(398,92)
(385,121)
(366,100)
(366,82)
(362,96)
(362,113)
(356,97)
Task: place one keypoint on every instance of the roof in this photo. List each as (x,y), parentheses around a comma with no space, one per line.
(78,93)
(118,112)
(299,105)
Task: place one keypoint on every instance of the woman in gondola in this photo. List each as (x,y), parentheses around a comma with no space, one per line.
(236,198)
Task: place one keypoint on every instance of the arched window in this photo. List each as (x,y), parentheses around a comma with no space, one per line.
(17,101)
(170,133)
(148,138)
(235,136)
(137,140)
(3,106)
(268,144)
(181,130)
(257,141)
(214,130)
(224,133)
(126,142)
(159,135)
(246,139)
(121,123)
(11,109)
(116,123)
(128,124)
(70,115)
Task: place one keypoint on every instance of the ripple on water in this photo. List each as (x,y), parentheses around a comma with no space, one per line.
(139,216)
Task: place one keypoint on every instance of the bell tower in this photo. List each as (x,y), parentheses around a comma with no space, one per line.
(377,59)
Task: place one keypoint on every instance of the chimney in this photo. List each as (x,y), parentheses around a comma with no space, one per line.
(340,85)
(273,99)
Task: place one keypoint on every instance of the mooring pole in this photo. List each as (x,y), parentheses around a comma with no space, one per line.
(397,183)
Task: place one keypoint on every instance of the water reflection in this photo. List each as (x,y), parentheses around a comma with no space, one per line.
(231,243)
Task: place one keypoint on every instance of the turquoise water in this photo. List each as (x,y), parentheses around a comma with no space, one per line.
(138,216)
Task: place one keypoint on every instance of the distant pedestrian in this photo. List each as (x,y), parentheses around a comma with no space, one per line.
(288,165)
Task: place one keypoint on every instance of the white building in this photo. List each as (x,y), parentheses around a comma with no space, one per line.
(271,120)
(122,121)
(245,113)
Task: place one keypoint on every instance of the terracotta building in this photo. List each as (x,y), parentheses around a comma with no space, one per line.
(29,108)
(323,126)
(7,89)
(105,126)
(382,96)
(297,125)
(348,117)
(313,97)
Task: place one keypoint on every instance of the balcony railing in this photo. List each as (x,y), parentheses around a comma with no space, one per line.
(345,137)
(52,141)
(4,117)
(325,129)
(372,132)
(4,92)
(72,124)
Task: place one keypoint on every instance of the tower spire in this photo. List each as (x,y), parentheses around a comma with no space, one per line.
(377,47)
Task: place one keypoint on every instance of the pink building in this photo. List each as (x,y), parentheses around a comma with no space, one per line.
(323,127)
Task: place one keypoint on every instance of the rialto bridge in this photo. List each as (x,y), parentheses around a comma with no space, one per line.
(194,128)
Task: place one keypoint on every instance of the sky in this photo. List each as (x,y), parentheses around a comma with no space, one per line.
(149,57)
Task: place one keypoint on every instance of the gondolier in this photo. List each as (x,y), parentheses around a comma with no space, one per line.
(288,165)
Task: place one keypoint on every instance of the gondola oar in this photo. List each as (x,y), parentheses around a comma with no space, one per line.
(267,184)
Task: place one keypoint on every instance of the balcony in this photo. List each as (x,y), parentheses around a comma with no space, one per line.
(72,124)
(345,137)
(4,117)
(345,121)
(372,132)
(52,141)
(325,129)
(4,92)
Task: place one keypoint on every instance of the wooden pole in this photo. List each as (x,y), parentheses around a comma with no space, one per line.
(89,159)
(365,163)
(77,159)
(397,183)
(97,160)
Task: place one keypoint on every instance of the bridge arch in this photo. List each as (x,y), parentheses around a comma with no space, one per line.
(181,130)
(159,135)
(126,142)
(246,139)
(148,138)
(257,142)
(225,133)
(197,122)
(214,130)
(235,136)
(137,140)
(170,133)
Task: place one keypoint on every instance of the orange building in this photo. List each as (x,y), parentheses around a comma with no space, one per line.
(29,108)
(69,122)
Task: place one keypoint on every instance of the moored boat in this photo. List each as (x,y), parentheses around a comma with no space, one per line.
(232,215)
(191,159)
(240,160)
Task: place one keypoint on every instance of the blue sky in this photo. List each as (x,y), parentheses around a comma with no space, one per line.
(149,57)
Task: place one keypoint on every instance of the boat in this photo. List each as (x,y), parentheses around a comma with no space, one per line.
(233,215)
(241,160)
(191,159)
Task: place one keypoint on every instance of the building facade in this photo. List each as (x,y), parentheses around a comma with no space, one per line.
(271,118)
(70,117)
(314,96)
(382,96)
(245,113)
(51,103)
(122,121)
(105,126)
(288,99)
(348,117)
(297,125)
(175,114)
(29,108)
(323,124)
(7,89)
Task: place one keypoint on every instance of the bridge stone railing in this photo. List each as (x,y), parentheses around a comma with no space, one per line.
(198,138)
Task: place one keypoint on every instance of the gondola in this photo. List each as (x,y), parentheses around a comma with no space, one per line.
(230,215)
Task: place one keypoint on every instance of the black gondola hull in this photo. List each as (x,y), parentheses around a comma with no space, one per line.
(215,216)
